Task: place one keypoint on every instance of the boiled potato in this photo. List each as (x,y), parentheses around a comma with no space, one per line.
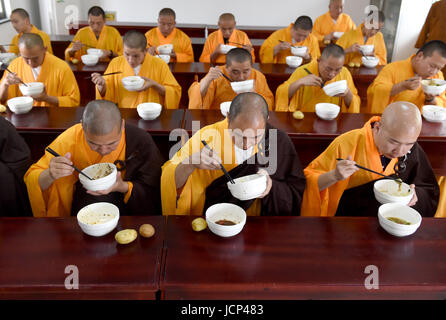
(126,236)
(2,108)
(357,64)
(146,230)
(75,61)
(199,224)
(298,115)
(351,64)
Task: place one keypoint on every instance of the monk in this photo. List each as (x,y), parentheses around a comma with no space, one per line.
(244,144)
(277,46)
(335,20)
(22,24)
(96,35)
(401,80)
(226,34)
(159,85)
(386,144)
(102,136)
(167,33)
(302,91)
(15,159)
(35,64)
(368,33)
(214,89)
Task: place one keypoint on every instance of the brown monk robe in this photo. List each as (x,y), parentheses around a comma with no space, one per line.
(15,159)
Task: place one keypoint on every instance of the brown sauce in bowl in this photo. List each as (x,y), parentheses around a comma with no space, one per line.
(225,222)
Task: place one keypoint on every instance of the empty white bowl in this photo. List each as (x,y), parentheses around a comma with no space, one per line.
(20,105)
(32,88)
(433,86)
(132,83)
(7,57)
(164,57)
(98,171)
(335,88)
(387,191)
(367,49)
(90,59)
(293,61)
(242,86)
(248,187)
(95,52)
(224,108)
(165,49)
(98,219)
(400,211)
(224,48)
(327,111)
(229,212)
(434,113)
(338,34)
(149,110)
(370,62)
(299,50)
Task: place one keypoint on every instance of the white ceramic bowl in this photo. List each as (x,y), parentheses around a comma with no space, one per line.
(367,49)
(370,62)
(242,86)
(149,110)
(225,211)
(20,105)
(299,50)
(225,48)
(293,61)
(132,83)
(338,34)
(387,190)
(165,49)
(90,59)
(95,52)
(434,113)
(97,170)
(335,88)
(400,211)
(164,57)
(98,219)
(32,88)
(224,108)
(327,111)
(435,89)
(7,57)
(248,187)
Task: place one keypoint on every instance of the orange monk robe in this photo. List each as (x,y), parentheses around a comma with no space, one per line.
(306,98)
(267,48)
(153,68)
(378,93)
(109,39)
(57,199)
(355,36)
(220,90)
(325,25)
(434,25)
(441,210)
(14,48)
(55,74)
(216,38)
(190,199)
(180,41)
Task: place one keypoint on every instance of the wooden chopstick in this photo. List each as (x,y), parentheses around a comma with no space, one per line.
(370,170)
(105,74)
(221,166)
(226,77)
(54,153)
(85,45)
(309,72)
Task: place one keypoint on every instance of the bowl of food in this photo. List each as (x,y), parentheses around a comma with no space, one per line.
(391,191)
(433,86)
(89,59)
(224,48)
(165,49)
(242,86)
(225,219)
(293,61)
(248,187)
(95,52)
(338,34)
(434,113)
(224,108)
(370,62)
(149,110)
(103,176)
(31,88)
(164,57)
(7,57)
(132,83)
(299,50)
(327,111)
(98,219)
(335,88)
(398,219)
(367,49)
(20,105)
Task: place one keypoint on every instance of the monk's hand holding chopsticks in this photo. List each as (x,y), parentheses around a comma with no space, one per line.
(344,169)
(99,81)
(213,74)
(311,80)
(12,78)
(206,159)
(58,167)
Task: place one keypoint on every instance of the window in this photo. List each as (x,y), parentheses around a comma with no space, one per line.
(2,10)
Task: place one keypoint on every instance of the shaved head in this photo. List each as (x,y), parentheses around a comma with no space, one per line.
(21,12)
(248,106)
(101,117)
(238,55)
(333,50)
(167,12)
(226,17)
(31,40)
(135,40)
